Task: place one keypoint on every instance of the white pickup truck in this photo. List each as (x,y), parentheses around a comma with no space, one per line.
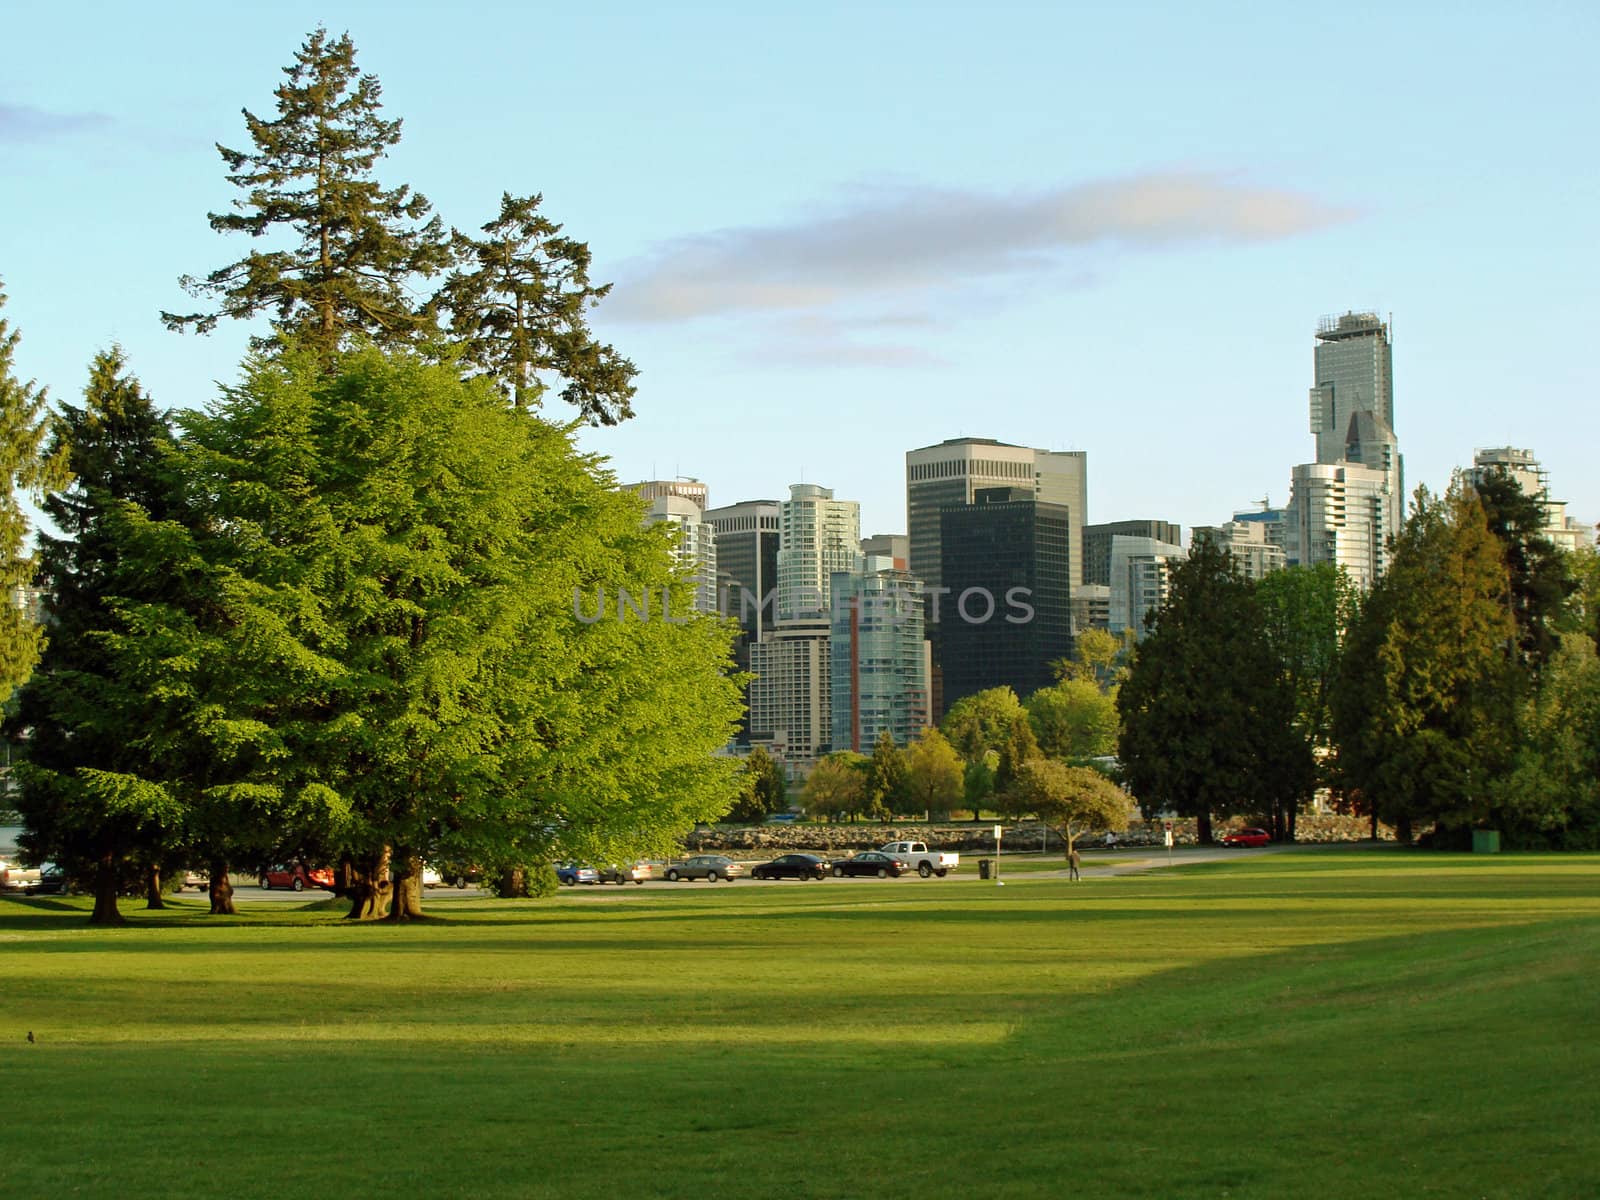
(917,854)
(15,878)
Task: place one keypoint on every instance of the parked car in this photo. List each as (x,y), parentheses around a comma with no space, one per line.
(196,879)
(431,878)
(52,881)
(618,874)
(647,868)
(296,876)
(870,862)
(458,875)
(572,874)
(1247,837)
(792,866)
(710,867)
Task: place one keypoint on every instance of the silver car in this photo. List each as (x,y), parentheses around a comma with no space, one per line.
(710,867)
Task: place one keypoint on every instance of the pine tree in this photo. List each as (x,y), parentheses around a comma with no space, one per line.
(517,306)
(359,245)
(29,467)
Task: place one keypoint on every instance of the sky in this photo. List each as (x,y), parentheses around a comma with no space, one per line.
(837,232)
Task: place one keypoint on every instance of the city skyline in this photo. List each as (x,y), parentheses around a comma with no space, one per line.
(838,238)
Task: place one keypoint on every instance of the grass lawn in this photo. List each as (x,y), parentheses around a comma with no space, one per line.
(1321,1023)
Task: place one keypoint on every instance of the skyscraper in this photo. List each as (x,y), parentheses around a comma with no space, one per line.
(1097,544)
(953,471)
(818,535)
(1345,506)
(747,576)
(880,667)
(695,548)
(1006,615)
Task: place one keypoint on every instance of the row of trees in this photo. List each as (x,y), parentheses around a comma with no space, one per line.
(328,615)
(1460,693)
(997,753)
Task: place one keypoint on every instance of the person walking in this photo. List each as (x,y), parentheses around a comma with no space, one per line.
(1072,863)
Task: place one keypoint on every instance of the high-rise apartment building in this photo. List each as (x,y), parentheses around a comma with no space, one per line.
(1534,480)
(1005,562)
(790,696)
(695,548)
(953,472)
(1341,514)
(1253,555)
(818,535)
(1097,544)
(879,678)
(895,546)
(1353,366)
(747,537)
(1141,577)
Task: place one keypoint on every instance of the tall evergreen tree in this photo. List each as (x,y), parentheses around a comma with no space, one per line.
(358,247)
(1425,705)
(30,468)
(1539,578)
(517,306)
(888,788)
(1208,726)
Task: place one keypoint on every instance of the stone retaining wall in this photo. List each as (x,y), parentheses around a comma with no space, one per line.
(969,837)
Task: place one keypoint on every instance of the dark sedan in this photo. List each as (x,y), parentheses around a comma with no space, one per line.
(792,866)
(870,862)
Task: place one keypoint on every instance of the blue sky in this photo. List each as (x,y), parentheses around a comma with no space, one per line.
(839,231)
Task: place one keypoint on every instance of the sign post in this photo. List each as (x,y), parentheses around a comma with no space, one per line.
(997,882)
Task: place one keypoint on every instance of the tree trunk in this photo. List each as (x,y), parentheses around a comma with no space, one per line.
(1202,826)
(369,889)
(1294,812)
(221,890)
(1402,831)
(1374,815)
(152,888)
(105,892)
(405,904)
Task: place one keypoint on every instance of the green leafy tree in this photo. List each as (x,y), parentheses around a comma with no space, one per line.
(837,786)
(438,546)
(1019,748)
(762,788)
(934,778)
(1551,795)
(517,308)
(1074,719)
(1208,723)
(982,722)
(1072,801)
(888,779)
(1305,611)
(1098,657)
(357,246)
(977,783)
(1427,694)
(30,469)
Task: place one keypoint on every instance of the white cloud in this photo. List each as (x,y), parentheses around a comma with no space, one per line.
(23,123)
(898,244)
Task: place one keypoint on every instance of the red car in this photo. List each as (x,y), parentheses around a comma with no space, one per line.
(297,877)
(1247,837)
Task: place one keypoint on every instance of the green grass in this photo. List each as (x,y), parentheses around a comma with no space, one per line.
(1321,1023)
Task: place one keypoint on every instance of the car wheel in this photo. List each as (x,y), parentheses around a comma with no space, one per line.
(941,872)
(672,877)
(459,882)
(264,883)
(883,872)
(298,884)
(711,876)
(924,870)
(838,872)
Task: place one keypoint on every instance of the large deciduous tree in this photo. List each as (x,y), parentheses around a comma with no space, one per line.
(1208,719)
(762,787)
(356,248)
(517,307)
(1074,719)
(29,468)
(437,543)
(837,786)
(933,774)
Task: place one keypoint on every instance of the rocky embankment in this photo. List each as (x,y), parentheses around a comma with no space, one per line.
(976,837)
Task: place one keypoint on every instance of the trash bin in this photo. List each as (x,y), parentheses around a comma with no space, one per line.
(1486,841)
(983,868)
